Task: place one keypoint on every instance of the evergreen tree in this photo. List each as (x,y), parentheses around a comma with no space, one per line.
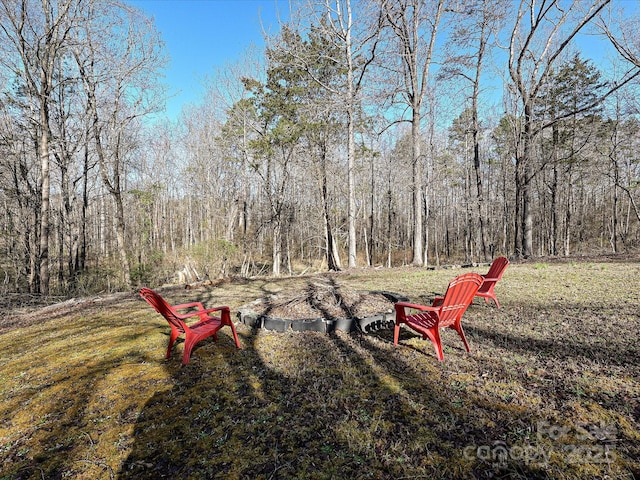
(566,100)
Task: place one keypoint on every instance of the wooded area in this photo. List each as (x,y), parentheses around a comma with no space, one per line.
(368,133)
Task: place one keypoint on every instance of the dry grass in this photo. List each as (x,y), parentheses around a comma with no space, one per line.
(550,390)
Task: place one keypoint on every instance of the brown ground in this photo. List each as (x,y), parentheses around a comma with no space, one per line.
(323,300)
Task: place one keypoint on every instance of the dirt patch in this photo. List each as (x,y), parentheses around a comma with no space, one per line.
(321,301)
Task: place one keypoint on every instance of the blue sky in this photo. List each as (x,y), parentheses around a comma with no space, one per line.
(201,35)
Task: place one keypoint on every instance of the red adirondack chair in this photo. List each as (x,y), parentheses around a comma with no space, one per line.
(446,311)
(207,326)
(494,274)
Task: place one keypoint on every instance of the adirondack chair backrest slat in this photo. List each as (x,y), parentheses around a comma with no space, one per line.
(458,297)
(497,268)
(163,308)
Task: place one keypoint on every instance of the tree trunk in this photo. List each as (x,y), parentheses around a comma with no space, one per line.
(120,236)
(276,251)
(351,147)
(351,214)
(554,211)
(46,191)
(331,252)
(416,188)
(526,219)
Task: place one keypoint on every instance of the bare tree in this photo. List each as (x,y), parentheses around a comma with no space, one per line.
(476,24)
(356,42)
(415,25)
(622,31)
(541,33)
(72,167)
(119,77)
(37,32)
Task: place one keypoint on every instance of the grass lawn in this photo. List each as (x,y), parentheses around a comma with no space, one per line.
(551,388)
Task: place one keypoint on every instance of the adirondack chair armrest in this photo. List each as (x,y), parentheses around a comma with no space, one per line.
(415,306)
(185,306)
(204,312)
(488,279)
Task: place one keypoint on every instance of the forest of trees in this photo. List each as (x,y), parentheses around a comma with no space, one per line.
(366,133)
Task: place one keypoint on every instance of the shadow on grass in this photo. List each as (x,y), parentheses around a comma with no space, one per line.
(58,311)
(230,415)
(501,429)
(61,420)
(610,347)
(309,405)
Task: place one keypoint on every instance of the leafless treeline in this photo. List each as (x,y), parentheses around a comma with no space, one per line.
(368,133)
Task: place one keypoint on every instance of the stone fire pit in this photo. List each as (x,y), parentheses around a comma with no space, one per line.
(322,307)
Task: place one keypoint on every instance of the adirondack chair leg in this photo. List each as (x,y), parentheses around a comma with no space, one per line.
(225,316)
(186,356)
(189,343)
(172,340)
(235,334)
(434,336)
(458,328)
(396,334)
